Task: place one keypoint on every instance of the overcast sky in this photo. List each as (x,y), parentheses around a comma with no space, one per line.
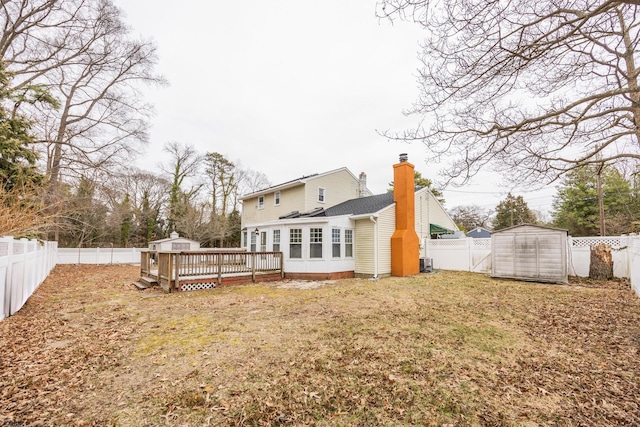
(291,88)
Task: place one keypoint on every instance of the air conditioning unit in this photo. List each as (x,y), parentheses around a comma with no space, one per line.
(426,265)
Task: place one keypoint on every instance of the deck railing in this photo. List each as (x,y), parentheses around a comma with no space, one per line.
(173,268)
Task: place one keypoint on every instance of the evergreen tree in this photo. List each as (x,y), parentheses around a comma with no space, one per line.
(512,211)
(576,202)
(17,161)
(422,182)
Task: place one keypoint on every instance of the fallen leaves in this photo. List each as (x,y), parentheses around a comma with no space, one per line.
(449,349)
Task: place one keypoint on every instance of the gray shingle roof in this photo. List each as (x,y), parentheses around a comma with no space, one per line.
(361,206)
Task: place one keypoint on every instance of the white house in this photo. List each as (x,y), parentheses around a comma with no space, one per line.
(329,226)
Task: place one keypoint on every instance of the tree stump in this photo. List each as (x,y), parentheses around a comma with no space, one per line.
(601,266)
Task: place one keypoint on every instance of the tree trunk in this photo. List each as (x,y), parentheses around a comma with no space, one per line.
(601,267)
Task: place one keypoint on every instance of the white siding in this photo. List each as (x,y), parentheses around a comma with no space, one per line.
(339,186)
(430,211)
(364,235)
(291,199)
(386,227)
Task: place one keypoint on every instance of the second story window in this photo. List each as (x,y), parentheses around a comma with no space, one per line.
(276,198)
(321,194)
(261,202)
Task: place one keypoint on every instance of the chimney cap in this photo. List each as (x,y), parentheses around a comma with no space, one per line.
(404,157)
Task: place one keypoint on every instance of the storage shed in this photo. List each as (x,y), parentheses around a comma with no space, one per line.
(530,252)
(174,243)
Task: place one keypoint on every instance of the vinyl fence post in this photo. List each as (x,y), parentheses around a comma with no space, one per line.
(7,284)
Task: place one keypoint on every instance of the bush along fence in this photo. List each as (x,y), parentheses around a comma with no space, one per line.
(24,264)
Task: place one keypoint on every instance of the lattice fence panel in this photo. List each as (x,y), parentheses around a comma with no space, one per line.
(482,243)
(578,242)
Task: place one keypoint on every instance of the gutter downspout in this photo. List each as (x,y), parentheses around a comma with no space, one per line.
(375,247)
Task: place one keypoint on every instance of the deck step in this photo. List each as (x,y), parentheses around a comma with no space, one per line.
(145,282)
(148,280)
(141,286)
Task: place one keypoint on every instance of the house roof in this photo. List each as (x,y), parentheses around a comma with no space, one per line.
(361,206)
(479,231)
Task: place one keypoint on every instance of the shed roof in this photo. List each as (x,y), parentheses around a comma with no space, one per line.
(543,227)
(171,239)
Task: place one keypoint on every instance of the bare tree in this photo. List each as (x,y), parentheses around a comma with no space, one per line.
(532,88)
(471,216)
(147,196)
(80,52)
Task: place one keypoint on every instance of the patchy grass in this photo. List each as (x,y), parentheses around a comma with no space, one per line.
(449,348)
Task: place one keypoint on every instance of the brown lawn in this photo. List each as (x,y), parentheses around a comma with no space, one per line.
(444,349)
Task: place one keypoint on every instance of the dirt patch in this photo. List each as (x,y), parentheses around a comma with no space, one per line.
(455,349)
(305,284)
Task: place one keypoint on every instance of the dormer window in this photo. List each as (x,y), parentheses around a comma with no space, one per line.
(321,194)
(261,202)
(276,198)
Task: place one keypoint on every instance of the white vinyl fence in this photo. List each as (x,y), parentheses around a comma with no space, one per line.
(24,264)
(475,255)
(634,261)
(98,256)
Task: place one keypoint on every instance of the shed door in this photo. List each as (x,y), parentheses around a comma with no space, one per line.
(539,256)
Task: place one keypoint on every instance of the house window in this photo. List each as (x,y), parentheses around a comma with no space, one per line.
(180,246)
(348,243)
(253,242)
(315,243)
(276,198)
(261,202)
(321,194)
(295,243)
(263,241)
(335,243)
(276,240)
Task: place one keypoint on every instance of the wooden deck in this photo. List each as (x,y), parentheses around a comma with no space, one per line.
(190,270)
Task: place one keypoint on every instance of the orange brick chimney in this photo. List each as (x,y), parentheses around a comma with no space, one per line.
(405,244)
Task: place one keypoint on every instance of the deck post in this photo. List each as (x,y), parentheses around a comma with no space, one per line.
(253,267)
(281,258)
(218,264)
(177,281)
(144,263)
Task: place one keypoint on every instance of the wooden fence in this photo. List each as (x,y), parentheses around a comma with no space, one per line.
(24,264)
(190,270)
